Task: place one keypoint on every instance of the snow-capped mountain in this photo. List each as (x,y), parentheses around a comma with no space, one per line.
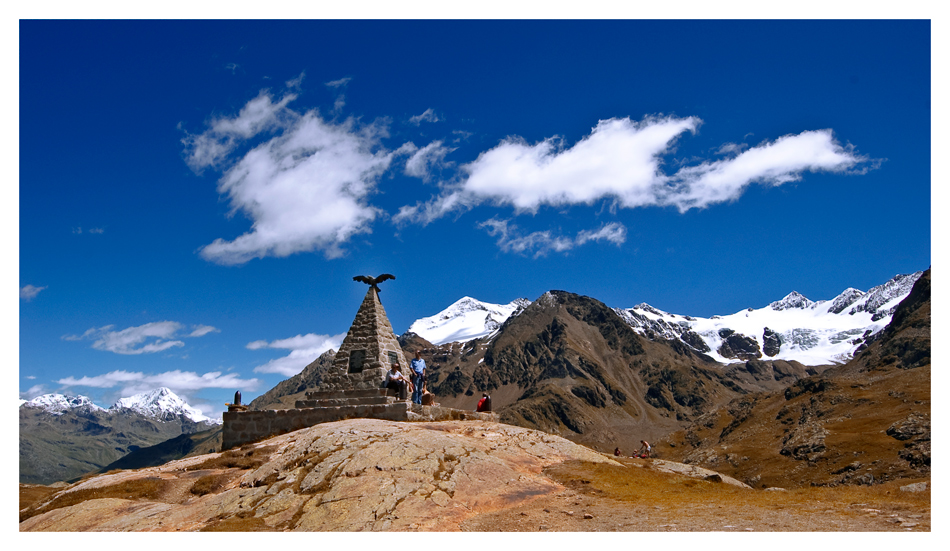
(161,403)
(57,404)
(794,328)
(465,320)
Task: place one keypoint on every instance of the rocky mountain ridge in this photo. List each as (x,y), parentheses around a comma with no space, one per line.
(64,437)
(160,403)
(794,328)
(864,422)
(570,365)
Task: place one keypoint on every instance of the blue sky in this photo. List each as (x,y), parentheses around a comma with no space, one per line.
(196,196)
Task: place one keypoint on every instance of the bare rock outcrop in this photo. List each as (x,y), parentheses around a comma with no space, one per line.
(353,475)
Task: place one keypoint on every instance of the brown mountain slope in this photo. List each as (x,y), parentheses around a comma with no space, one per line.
(186,445)
(571,366)
(863,422)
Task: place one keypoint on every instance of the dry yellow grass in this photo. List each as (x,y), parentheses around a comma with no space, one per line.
(859,508)
(145,489)
(605,498)
(631,484)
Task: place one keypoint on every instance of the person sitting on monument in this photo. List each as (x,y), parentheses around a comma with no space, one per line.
(418,366)
(397,381)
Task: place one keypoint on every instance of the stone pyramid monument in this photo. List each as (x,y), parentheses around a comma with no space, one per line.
(368,351)
(352,387)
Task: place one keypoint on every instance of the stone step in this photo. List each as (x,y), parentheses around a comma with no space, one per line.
(341,402)
(345,394)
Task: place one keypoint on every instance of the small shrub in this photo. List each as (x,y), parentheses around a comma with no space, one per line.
(206,484)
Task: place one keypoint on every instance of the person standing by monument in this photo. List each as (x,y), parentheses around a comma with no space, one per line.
(418,366)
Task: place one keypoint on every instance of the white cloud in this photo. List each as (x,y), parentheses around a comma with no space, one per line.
(614,232)
(211,411)
(107,380)
(212,147)
(338,83)
(202,330)
(296,82)
(305,188)
(303,350)
(540,243)
(29,292)
(180,382)
(422,162)
(621,160)
(731,148)
(340,101)
(774,164)
(143,339)
(97,230)
(427,116)
(33,392)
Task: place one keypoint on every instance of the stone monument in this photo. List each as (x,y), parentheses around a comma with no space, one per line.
(369,349)
(353,387)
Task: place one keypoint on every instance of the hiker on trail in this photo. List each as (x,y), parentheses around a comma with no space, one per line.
(617,452)
(484,404)
(397,381)
(418,366)
(644,450)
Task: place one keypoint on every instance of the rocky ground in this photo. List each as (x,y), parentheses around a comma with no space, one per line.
(373,475)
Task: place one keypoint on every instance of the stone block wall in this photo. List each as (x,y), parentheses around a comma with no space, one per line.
(249,426)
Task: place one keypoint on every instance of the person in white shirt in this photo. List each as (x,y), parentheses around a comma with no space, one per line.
(396,380)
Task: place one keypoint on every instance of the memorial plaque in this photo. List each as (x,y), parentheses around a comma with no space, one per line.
(356,361)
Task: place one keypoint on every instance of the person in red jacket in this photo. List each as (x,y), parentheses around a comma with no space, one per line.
(484,404)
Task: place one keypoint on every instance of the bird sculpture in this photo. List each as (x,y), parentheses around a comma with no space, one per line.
(374,281)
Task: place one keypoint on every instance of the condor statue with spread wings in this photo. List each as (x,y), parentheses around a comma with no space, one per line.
(374,281)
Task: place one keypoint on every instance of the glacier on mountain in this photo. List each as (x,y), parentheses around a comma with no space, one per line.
(811,332)
(57,404)
(466,319)
(793,328)
(161,403)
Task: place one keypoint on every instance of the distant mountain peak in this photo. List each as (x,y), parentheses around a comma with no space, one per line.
(466,319)
(847,297)
(792,300)
(57,404)
(161,403)
(881,301)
